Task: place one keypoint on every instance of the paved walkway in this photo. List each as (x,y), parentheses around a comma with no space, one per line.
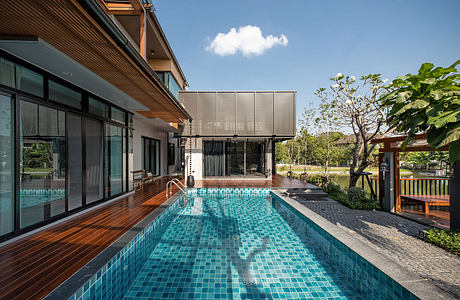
(396,238)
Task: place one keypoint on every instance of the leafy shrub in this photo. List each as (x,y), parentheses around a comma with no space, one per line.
(332,188)
(356,199)
(448,240)
(356,196)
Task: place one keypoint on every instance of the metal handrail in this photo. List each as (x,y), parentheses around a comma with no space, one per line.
(175,182)
(179,182)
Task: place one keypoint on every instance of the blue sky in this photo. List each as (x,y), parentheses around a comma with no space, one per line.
(324,37)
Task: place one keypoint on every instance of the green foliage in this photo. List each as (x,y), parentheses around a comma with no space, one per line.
(355,199)
(38,155)
(448,240)
(332,188)
(354,103)
(311,149)
(428,101)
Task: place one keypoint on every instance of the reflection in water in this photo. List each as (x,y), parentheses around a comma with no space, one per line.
(229,234)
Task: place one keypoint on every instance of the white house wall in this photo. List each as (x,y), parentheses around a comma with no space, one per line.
(142,128)
(196,157)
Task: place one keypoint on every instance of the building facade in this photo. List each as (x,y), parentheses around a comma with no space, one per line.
(233,134)
(88,93)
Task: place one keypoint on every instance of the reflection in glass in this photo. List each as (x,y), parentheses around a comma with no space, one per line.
(124,159)
(130,159)
(118,115)
(7,73)
(29,81)
(94,161)
(98,108)
(6,165)
(113,155)
(42,163)
(234,157)
(151,155)
(255,159)
(64,95)
(75,185)
(213,158)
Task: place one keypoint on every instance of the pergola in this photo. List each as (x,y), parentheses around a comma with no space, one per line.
(389,183)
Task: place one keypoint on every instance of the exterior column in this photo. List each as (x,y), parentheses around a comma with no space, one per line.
(454,191)
(381,186)
(388,202)
(273,157)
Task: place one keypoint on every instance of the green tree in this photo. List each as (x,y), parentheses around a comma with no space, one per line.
(281,153)
(427,102)
(355,104)
(38,155)
(304,137)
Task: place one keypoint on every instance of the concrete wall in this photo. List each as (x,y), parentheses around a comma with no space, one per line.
(147,128)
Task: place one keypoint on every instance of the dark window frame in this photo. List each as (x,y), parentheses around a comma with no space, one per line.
(143,138)
(171,154)
(19,95)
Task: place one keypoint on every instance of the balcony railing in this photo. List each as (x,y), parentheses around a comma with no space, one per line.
(420,186)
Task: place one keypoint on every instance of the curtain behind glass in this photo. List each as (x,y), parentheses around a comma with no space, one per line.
(94,161)
(42,163)
(114,157)
(6,165)
(213,158)
(75,184)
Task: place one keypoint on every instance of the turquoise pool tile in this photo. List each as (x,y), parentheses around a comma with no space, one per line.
(237,244)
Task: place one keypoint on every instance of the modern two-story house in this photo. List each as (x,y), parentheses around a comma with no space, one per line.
(233,134)
(88,93)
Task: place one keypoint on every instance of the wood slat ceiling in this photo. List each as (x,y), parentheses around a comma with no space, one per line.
(69,28)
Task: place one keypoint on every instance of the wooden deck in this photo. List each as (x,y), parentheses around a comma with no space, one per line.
(436,218)
(33,266)
(428,200)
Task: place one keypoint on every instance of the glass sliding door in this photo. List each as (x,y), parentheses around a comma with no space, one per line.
(255,158)
(94,161)
(113,160)
(213,152)
(124,157)
(234,158)
(42,163)
(6,165)
(75,184)
(151,155)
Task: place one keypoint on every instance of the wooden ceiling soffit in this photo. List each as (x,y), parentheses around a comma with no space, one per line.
(69,28)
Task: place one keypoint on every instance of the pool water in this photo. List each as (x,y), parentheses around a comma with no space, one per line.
(231,244)
(235,244)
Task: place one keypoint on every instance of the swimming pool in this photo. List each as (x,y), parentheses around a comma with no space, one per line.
(237,243)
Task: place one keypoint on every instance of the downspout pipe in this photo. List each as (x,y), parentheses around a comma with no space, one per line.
(101,17)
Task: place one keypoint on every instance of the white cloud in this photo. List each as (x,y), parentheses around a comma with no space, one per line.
(248,39)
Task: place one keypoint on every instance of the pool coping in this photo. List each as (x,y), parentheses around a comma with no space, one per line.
(422,288)
(68,288)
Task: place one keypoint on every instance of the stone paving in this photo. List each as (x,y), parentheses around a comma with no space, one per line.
(396,238)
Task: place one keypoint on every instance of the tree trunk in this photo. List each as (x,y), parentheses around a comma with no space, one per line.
(353,180)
